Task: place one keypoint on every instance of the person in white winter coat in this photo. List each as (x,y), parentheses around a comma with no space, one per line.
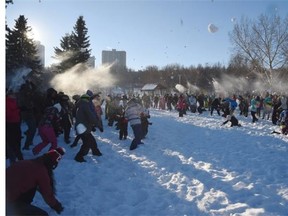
(133,114)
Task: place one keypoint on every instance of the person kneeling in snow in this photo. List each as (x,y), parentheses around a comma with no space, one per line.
(283,122)
(234,121)
(25,177)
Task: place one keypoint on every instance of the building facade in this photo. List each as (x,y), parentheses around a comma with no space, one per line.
(114,57)
(40,52)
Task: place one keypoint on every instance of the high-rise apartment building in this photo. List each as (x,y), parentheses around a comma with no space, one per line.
(114,57)
(40,52)
(91,62)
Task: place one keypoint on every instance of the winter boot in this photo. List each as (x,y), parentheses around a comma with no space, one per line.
(79,159)
(74,144)
(97,153)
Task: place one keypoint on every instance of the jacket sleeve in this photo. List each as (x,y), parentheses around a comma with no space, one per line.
(45,187)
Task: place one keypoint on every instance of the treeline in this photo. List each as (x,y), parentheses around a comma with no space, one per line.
(259,56)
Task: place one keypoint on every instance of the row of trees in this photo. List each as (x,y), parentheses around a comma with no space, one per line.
(260,52)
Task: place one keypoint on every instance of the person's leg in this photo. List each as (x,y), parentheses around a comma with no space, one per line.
(11,142)
(31,123)
(93,145)
(84,148)
(66,130)
(137,130)
(75,142)
(121,133)
(45,140)
(125,131)
(17,141)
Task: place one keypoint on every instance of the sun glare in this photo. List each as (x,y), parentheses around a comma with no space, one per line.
(34,34)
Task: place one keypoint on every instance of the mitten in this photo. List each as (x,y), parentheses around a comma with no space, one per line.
(58,208)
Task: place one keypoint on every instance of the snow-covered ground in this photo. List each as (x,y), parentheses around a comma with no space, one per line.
(187,166)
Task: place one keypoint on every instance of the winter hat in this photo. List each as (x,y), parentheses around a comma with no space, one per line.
(58,106)
(76,97)
(90,93)
(85,96)
(55,156)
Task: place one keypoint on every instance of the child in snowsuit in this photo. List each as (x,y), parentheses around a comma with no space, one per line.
(283,121)
(122,125)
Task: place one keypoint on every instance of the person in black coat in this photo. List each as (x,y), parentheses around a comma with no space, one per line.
(85,123)
(215,105)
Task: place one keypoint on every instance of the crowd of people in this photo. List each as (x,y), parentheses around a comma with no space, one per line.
(50,115)
(54,113)
(267,106)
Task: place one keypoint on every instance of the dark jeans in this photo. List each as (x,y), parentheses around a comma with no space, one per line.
(30,133)
(254,118)
(137,131)
(215,108)
(66,125)
(123,132)
(13,141)
(89,142)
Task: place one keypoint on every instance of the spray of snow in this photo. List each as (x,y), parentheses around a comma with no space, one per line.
(80,78)
(18,78)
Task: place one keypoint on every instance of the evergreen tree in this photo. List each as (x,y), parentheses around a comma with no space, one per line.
(21,50)
(81,41)
(8,2)
(65,53)
(74,47)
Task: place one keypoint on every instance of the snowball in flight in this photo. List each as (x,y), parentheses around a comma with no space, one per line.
(212,28)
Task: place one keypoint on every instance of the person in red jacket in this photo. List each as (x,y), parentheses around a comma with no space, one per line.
(24,178)
(13,128)
(181,105)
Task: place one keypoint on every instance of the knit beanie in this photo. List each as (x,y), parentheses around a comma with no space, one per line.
(90,93)
(55,156)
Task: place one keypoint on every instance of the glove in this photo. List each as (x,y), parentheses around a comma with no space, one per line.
(58,208)
(101,129)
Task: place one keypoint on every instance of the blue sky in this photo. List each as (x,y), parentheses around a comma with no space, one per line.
(156,33)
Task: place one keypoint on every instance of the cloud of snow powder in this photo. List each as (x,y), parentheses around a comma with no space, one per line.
(78,79)
(18,78)
(180,88)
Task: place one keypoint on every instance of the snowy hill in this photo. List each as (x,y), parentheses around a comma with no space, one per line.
(187,166)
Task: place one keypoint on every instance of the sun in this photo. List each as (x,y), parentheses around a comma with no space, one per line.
(34,34)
